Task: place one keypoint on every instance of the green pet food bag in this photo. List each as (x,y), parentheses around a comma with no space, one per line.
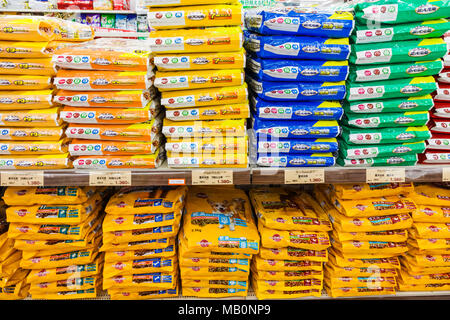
(399,88)
(385,150)
(408,160)
(398,51)
(417,30)
(387,120)
(353,136)
(395,71)
(401,11)
(422,103)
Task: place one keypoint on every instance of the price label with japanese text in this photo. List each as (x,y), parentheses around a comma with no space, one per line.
(211,177)
(299,176)
(110,178)
(376,175)
(446,174)
(22,179)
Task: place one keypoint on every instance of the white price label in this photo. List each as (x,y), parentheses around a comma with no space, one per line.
(299,176)
(375,175)
(110,178)
(212,177)
(22,179)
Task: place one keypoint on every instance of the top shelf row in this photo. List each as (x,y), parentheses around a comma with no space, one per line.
(256,176)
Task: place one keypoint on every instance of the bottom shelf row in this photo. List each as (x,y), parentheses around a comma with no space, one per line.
(326,241)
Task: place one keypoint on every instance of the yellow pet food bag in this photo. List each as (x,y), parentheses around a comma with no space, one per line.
(431,230)
(232,111)
(34,147)
(25,49)
(197,79)
(140,221)
(219,219)
(435,214)
(212,292)
(146,131)
(204,97)
(66,295)
(33,134)
(207,161)
(425,278)
(338,259)
(357,282)
(146,200)
(204,129)
(70,284)
(26,28)
(126,255)
(62,273)
(314,240)
(147,281)
(80,80)
(215,145)
(429,260)
(243,264)
(152,265)
(288,275)
(37,162)
(105,99)
(40,67)
(184,253)
(79,147)
(334,271)
(263,294)
(14,196)
(14,292)
(152,244)
(71,31)
(176,3)
(283,265)
(106,115)
(148,161)
(290,253)
(427,194)
(213,283)
(365,255)
(199,61)
(342,223)
(220,39)
(126,294)
(358,291)
(413,268)
(231,273)
(31,118)
(53,214)
(423,287)
(84,256)
(370,247)
(18,276)
(429,244)
(286,210)
(26,83)
(18,100)
(371,190)
(390,235)
(196,16)
(138,235)
(381,206)
(287,284)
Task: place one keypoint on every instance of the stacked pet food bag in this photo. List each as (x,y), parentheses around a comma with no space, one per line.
(13,284)
(57,231)
(201,79)
(105,86)
(297,67)
(370,223)
(32,133)
(216,243)
(438,146)
(396,50)
(139,240)
(426,265)
(294,243)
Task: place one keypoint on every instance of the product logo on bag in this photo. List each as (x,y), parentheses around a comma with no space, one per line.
(195,42)
(416,69)
(276,237)
(419,52)
(421,30)
(310,49)
(196,16)
(410,89)
(427,9)
(311,24)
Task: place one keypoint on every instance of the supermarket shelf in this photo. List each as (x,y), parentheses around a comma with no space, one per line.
(68,11)
(425,295)
(163,175)
(337,174)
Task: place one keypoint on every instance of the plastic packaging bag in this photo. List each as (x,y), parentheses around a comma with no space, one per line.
(306,160)
(297,146)
(204,129)
(422,103)
(216,145)
(150,161)
(385,135)
(80,147)
(296,129)
(232,111)
(380,151)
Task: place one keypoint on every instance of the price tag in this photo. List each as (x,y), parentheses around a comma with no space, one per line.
(376,175)
(110,178)
(299,176)
(176,182)
(210,177)
(22,178)
(446,174)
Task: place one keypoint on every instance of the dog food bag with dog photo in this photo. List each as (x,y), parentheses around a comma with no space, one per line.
(401,11)
(219,219)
